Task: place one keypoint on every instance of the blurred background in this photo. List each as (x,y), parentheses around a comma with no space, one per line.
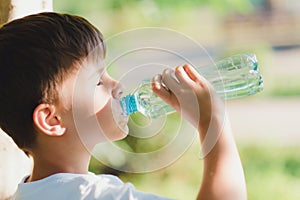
(266,125)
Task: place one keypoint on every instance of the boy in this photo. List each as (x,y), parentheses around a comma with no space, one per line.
(54,88)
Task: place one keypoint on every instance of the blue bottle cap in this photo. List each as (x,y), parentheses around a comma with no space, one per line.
(128,104)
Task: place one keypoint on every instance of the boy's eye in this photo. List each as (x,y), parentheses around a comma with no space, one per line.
(100,82)
(101,78)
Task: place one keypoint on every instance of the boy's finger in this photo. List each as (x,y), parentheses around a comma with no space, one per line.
(194,75)
(170,80)
(182,76)
(159,88)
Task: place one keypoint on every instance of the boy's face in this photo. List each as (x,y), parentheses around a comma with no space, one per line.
(95,114)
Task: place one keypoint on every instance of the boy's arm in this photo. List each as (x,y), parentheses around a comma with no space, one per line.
(192,96)
(223,176)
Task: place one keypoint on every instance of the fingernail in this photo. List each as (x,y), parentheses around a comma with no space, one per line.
(156,82)
(157,85)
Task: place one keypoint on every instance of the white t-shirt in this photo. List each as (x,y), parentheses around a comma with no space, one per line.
(67,186)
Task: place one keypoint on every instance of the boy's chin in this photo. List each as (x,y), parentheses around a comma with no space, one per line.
(120,134)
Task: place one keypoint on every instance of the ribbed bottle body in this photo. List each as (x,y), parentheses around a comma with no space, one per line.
(232,77)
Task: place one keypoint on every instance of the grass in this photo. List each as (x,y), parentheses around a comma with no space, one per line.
(271,172)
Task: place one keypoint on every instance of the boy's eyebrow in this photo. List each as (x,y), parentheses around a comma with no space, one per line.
(98,71)
(101,70)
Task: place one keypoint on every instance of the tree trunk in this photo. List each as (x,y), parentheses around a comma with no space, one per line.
(14,164)
(5,8)
(12,9)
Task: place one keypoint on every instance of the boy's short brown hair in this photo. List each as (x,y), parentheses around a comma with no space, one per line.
(37,53)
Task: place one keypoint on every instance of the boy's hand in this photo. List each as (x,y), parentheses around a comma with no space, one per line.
(189,94)
(192,96)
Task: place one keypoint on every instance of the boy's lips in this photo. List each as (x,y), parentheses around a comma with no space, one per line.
(116,108)
(124,117)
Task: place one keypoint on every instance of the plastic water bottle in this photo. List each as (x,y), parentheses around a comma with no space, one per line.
(232,77)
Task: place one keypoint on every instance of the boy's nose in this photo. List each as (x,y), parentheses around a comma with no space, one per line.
(117,90)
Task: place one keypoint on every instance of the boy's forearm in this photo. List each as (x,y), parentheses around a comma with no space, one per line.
(223,176)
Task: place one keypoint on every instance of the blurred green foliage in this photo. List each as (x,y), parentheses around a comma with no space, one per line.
(224,6)
(221,6)
(271,172)
(285,87)
(113,16)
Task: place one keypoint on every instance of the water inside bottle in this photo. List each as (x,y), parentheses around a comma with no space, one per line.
(235,77)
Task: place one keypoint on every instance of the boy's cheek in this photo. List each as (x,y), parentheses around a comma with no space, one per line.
(89,103)
(112,124)
(100,100)
(108,113)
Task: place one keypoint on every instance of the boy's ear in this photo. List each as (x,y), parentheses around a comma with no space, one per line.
(47,121)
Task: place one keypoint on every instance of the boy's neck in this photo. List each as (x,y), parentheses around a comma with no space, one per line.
(47,163)
(44,169)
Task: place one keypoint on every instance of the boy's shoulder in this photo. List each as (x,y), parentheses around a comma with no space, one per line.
(68,186)
(79,186)
(70,180)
